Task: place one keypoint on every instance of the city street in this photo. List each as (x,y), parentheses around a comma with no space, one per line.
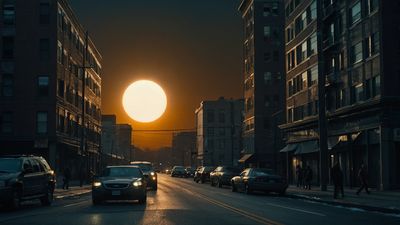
(182,201)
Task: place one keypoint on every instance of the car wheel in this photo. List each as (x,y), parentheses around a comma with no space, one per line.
(48,198)
(247,189)
(233,187)
(15,202)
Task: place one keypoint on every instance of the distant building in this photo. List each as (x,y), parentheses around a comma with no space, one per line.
(264,81)
(183,149)
(354,47)
(42,48)
(219,129)
(116,140)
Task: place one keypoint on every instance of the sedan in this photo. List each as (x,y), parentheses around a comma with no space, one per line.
(120,183)
(222,175)
(259,179)
(203,174)
(178,171)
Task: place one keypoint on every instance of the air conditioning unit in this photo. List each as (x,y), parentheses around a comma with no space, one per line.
(396,134)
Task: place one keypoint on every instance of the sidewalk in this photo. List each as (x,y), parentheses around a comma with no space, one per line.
(380,201)
(73,191)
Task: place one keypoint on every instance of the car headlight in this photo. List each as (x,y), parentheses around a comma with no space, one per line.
(152,173)
(137,183)
(96,184)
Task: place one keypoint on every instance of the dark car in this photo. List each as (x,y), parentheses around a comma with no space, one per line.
(149,173)
(189,171)
(222,175)
(178,171)
(119,183)
(259,179)
(196,173)
(203,174)
(25,178)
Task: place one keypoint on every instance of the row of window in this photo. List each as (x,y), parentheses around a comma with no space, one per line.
(211,116)
(303,51)
(364,49)
(302,21)
(356,12)
(7,123)
(211,131)
(302,81)
(9,13)
(70,125)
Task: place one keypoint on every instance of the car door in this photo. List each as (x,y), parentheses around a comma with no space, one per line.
(27,179)
(241,178)
(37,177)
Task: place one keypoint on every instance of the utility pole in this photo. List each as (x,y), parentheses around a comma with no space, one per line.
(322,124)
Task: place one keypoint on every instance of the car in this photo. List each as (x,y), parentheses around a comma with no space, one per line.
(189,171)
(203,175)
(124,182)
(222,175)
(25,177)
(149,173)
(196,173)
(178,171)
(259,179)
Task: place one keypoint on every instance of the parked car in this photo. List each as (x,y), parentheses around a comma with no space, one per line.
(222,175)
(203,175)
(189,171)
(196,173)
(25,178)
(259,179)
(149,173)
(178,171)
(120,183)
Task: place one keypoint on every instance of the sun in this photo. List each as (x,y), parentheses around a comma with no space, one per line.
(144,101)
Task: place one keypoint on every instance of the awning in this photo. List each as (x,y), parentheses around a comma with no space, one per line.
(245,158)
(307,147)
(289,148)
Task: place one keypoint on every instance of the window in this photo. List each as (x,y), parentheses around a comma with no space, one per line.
(267,31)
(61,88)
(7,86)
(355,13)
(59,53)
(376,86)
(290,115)
(44,17)
(341,60)
(342,98)
(9,14)
(267,77)
(372,6)
(41,122)
(356,52)
(221,117)
(373,44)
(210,131)
(210,116)
(43,85)
(313,75)
(304,78)
(312,45)
(44,48)
(290,88)
(6,122)
(313,10)
(290,60)
(267,101)
(8,47)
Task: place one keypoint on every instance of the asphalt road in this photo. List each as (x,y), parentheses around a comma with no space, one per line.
(180,201)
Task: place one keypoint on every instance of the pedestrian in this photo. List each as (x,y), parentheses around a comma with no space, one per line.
(299,176)
(67,177)
(337,177)
(363,176)
(308,177)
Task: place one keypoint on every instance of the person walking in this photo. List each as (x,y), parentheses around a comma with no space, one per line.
(308,177)
(299,176)
(67,177)
(337,177)
(363,176)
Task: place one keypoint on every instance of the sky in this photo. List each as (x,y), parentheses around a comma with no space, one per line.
(191,48)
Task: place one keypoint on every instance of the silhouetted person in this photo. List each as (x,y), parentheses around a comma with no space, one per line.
(363,176)
(67,177)
(308,177)
(337,177)
(299,176)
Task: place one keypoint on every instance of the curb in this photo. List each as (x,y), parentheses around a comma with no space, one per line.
(347,204)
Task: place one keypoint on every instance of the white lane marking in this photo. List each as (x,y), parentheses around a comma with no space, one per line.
(295,209)
(74,204)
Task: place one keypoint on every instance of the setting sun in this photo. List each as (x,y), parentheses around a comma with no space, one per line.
(144,101)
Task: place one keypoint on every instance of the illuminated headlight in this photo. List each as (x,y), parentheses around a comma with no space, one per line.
(152,173)
(96,184)
(2,184)
(137,183)
(154,178)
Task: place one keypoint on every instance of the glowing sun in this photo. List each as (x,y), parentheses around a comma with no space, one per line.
(144,101)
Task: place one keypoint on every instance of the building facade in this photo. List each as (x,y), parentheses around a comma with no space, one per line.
(183,150)
(42,94)
(352,47)
(219,130)
(264,81)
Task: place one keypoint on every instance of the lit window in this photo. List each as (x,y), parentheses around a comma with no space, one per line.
(356,53)
(355,13)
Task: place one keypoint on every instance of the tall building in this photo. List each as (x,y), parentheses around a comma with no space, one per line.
(183,149)
(42,52)
(124,141)
(219,129)
(353,48)
(264,81)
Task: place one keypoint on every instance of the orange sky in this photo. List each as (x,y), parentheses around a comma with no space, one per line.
(193,49)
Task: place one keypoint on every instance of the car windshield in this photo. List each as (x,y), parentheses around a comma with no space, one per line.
(145,167)
(122,172)
(179,168)
(10,165)
(263,172)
